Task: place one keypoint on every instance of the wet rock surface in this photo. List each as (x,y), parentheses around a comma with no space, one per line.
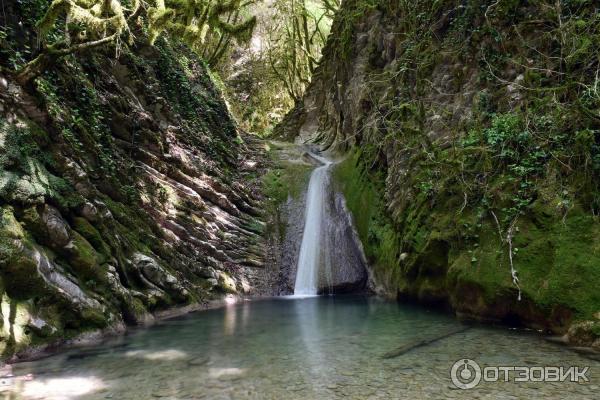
(345,263)
(343,267)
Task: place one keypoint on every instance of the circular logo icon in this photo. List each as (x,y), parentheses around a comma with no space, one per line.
(465,374)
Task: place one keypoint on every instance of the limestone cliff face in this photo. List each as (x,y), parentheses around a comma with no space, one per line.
(125,189)
(471,130)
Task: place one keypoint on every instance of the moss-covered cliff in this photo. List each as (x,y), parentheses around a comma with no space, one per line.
(125,189)
(474,137)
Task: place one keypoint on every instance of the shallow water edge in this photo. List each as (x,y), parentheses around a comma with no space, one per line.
(336,347)
(97,337)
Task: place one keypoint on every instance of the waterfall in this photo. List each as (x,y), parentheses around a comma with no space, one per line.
(307,275)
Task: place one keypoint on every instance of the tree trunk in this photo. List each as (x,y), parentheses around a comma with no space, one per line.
(34,68)
(51,55)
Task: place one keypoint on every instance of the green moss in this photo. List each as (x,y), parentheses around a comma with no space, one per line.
(556,258)
(364,195)
(559,264)
(483,264)
(20,275)
(18,267)
(596,329)
(141,238)
(136,310)
(288,180)
(84,261)
(556,261)
(359,192)
(91,234)
(254,225)
(344,25)
(92,319)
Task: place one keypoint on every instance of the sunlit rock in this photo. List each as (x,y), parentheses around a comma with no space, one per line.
(163,355)
(41,327)
(227,283)
(61,388)
(157,276)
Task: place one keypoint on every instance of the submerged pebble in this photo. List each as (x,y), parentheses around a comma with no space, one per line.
(226,354)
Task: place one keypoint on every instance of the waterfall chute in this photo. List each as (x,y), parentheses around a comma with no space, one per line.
(311,249)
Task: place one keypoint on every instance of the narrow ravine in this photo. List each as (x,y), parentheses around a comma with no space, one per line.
(319,347)
(299,199)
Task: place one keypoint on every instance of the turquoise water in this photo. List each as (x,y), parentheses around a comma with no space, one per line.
(312,348)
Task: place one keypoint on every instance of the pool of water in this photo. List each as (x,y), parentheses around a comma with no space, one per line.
(344,347)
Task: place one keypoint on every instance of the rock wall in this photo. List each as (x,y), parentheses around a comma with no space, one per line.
(125,189)
(345,264)
(472,129)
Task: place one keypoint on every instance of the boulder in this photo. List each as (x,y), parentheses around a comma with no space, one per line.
(90,212)
(151,272)
(344,264)
(212,282)
(56,227)
(227,283)
(40,327)
(208,272)
(584,333)
(29,272)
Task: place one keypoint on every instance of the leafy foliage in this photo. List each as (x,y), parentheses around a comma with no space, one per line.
(195,20)
(294,41)
(94,23)
(264,81)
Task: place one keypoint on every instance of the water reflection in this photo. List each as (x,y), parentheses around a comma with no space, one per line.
(229,319)
(307,321)
(60,388)
(312,348)
(236,318)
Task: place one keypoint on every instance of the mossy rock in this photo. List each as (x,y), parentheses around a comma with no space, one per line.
(287,181)
(21,278)
(84,260)
(364,194)
(32,221)
(91,234)
(226,283)
(91,318)
(463,257)
(134,311)
(19,270)
(9,226)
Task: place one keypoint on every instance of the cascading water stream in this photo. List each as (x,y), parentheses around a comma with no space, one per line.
(310,251)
